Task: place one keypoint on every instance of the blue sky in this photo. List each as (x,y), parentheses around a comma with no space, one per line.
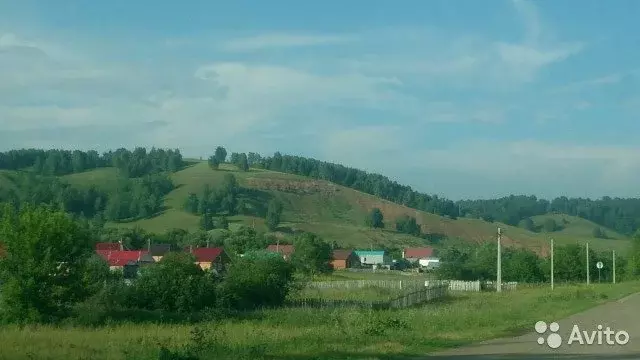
(466,98)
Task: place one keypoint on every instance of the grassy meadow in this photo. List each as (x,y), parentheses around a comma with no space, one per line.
(338,213)
(304,334)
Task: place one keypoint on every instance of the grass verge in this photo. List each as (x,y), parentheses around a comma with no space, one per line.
(304,334)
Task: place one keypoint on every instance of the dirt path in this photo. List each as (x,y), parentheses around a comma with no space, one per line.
(623,314)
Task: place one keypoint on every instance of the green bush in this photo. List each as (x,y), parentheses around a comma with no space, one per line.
(255,280)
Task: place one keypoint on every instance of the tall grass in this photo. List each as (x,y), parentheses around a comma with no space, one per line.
(304,334)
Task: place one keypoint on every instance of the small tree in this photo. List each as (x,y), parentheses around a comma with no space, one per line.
(312,255)
(274,213)
(214,163)
(408,225)
(42,271)
(258,279)
(375,219)
(206,221)
(243,163)
(223,223)
(192,203)
(177,284)
(527,224)
(221,154)
(550,225)
(599,233)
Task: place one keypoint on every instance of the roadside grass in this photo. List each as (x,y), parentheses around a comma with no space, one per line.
(305,334)
(341,275)
(365,294)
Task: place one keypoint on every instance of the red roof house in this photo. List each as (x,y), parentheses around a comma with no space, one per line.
(208,258)
(108,246)
(120,258)
(285,250)
(415,254)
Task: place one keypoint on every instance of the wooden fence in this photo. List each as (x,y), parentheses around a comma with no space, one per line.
(412,298)
(417,297)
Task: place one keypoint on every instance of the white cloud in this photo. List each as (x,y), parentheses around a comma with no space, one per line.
(536,160)
(577,86)
(283,40)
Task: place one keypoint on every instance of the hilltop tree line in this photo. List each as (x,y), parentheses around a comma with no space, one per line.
(134,163)
(621,215)
(360,180)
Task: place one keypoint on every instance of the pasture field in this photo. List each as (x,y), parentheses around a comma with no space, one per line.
(305,334)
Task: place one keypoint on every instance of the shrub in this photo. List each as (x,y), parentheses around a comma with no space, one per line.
(257,279)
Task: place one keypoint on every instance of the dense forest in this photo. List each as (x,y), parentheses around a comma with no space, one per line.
(137,192)
(621,215)
(134,163)
(143,187)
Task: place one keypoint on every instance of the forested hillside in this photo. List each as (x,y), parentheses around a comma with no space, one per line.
(159,190)
(622,215)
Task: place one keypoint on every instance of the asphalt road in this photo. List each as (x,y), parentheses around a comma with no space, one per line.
(623,314)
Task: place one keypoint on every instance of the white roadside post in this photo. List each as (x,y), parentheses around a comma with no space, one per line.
(551,264)
(599,265)
(499,275)
(588,264)
(614,266)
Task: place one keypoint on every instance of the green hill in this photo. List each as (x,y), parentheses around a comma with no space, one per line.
(574,229)
(338,213)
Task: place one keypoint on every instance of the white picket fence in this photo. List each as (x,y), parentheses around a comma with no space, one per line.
(359,284)
(454,285)
(459,285)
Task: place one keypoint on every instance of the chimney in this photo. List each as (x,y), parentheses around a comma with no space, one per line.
(149,244)
(121,246)
(207,243)
(403,254)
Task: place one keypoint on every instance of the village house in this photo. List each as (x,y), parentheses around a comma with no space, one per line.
(415,254)
(284,250)
(158,251)
(215,259)
(375,258)
(344,259)
(424,256)
(127,261)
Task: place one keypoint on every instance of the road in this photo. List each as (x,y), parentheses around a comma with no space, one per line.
(623,314)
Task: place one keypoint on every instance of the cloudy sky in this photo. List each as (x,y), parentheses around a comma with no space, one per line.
(462,98)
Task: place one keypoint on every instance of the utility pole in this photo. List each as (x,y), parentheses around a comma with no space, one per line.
(588,264)
(499,277)
(614,266)
(551,264)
